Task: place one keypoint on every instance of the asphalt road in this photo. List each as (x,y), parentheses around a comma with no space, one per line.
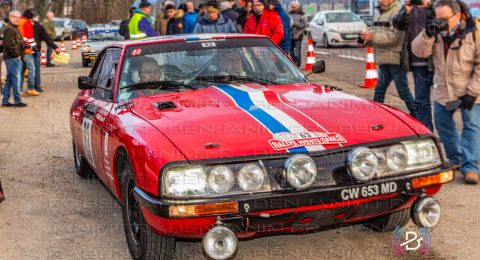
(50,213)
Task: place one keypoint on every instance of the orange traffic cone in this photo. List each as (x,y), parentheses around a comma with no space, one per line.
(62,47)
(43,58)
(371,75)
(310,54)
(74,45)
(84,38)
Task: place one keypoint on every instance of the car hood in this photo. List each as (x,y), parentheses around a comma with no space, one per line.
(354,27)
(228,120)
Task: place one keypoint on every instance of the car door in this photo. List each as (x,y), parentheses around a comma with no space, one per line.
(98,109)
(314,28)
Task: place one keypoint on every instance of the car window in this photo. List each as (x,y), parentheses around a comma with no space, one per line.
(105,74)
(342,17)
(195,62)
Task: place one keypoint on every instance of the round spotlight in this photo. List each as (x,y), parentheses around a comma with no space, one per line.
(220,243)
(220,179)
(301,171)
(362,163)
(397,157)
(250,177)
(426,212)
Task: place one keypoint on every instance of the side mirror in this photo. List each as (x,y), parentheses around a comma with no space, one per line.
(86,83)
(319,67)
(320,22)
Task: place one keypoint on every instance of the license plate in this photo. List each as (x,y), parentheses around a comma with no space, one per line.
(371,190)
(351,36)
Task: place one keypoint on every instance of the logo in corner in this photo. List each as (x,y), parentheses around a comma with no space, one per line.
(405,240)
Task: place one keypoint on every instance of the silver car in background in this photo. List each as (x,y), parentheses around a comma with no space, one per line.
(336,28)
(63,28)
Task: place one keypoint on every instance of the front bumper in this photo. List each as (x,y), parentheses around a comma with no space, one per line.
(89,56)
(341,39)
(289,211)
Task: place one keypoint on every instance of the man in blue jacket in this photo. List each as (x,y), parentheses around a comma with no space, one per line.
(213,21)
(176,23)
(191,17)
(285,43)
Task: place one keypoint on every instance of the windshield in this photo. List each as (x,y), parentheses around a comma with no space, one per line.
(104,36)
(58,23)
(202,63)
(342,17)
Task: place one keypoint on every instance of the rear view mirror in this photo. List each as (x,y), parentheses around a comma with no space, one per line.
(86,83)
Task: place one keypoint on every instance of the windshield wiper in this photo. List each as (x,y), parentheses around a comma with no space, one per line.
(227,78)
(165,84)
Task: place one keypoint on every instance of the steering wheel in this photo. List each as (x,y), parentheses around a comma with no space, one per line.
(172,72)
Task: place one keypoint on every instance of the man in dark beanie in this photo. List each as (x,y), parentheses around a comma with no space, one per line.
(213,21)
(264,22)
(140,25)
(176,23)
(285,43)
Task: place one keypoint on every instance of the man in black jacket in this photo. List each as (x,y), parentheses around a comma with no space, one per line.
(412,19)
(40,34)
(123,30)
(13,46)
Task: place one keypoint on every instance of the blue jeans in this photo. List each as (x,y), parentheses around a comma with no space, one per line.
(423,79)
(30,65)
(12,83)
(49,54)
(462,149)
(37,62)
(386,74)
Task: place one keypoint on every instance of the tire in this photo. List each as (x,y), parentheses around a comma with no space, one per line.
(389,222)
(81,165)
(326,44)
(143,242)
(85,63)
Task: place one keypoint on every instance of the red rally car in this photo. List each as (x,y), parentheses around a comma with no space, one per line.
(222,137)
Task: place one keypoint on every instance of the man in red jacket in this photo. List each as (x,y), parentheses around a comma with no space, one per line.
(264,22)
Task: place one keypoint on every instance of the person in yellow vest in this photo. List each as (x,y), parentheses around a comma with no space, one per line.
(140,25)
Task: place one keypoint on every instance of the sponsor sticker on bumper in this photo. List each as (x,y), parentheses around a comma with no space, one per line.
(284,141)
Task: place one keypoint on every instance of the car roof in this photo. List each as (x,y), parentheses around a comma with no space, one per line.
(184,37)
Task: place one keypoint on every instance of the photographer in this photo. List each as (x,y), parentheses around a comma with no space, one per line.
(387,44)
(411,19)
(451,39)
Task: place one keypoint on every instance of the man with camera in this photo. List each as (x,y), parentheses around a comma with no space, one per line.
(411,19)
(453,41)
(387,44)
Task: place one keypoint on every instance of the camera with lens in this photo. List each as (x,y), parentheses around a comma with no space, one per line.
(416,2)
(437,26)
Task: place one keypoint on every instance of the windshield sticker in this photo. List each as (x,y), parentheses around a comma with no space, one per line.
(286,140)
(136,52)
(208,44)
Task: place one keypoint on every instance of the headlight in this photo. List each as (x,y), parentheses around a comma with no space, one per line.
(86,48)
(220,179)
(185,181)
(397,157)
(251,177)
(300,171)
(362,163)
(214,180)
(406,156)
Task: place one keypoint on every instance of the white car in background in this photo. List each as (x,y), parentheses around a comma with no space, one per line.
(63,28)
(336,28)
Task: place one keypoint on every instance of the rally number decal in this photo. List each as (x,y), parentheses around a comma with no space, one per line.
(87,139)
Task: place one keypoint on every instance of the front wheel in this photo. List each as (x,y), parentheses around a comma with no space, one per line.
(326,44)
(143,242)
(389,222)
